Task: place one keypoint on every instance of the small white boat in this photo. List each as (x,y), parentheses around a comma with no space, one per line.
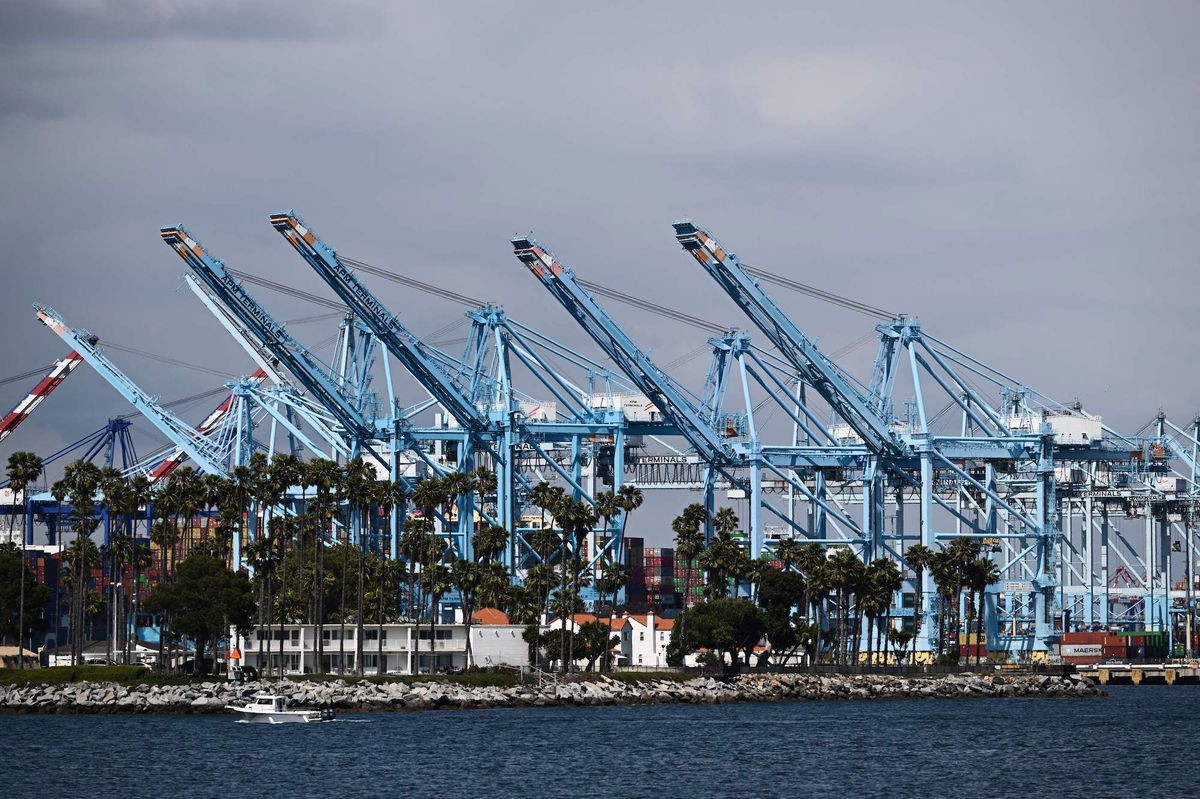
(266,708)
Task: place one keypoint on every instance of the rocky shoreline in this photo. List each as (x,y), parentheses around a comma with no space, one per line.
(212,697)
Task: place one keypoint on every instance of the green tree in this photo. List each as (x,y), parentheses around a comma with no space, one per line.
(21,596)
(204,600)
(594,641)
(724,626)
(779,592)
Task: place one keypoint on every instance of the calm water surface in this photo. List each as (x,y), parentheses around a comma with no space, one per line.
(1140,742)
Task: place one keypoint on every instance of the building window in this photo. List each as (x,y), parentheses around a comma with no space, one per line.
(641,636)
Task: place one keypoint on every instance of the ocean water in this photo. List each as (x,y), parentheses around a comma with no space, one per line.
(1139,742)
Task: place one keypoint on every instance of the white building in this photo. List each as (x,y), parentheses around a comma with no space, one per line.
(406,647)
(644,640)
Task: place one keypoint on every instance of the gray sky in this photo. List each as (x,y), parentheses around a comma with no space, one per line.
(1020,176)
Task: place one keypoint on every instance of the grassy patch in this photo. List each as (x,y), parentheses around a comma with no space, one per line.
(61,675)
(122,675)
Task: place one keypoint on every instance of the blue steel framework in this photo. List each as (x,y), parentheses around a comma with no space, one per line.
(1019,473)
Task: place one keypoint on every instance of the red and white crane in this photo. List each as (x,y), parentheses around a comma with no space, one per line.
(57,374)
(178,457)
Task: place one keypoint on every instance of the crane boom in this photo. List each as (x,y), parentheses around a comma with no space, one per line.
(398,339)
(813,365)
(202,452)
(295,356)
(638,366)
(219,414)
(51,381)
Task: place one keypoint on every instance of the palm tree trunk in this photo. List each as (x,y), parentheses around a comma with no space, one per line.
(342,611)
(381,667)
(433,602)
(319,594)
(358,633)
(282,599)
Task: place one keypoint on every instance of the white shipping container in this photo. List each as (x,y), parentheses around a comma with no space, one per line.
(1171,485)
(635,407)
(1082,650)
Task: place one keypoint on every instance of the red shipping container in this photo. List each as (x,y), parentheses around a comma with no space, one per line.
(1083,638)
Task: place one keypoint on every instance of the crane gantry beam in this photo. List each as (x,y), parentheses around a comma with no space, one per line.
(398,339)
(616,343)
(812,364)
(304,364)
(202,452)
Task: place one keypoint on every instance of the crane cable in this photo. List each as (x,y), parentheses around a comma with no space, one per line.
(820,294)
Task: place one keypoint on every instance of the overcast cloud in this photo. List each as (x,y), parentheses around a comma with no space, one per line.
(1021,176)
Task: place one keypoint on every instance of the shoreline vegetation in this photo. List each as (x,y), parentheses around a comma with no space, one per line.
(143,694)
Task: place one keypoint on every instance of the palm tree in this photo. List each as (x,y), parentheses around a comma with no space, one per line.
(919,558)
(818,584)
(631,499)
(164,536)
(436,581)
(326,477)
(980,573)
(361,490)
(260,554)
(467,576)
(788,552)
(608,507)
(23,469)
(79,484)
(875,598)
(81,556)
(614,578)
(689,542)
(848,576)
(577,520)
(723,557)
(541,496)
(489,542)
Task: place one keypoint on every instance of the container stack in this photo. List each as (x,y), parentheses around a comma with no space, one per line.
(651,576)
(683,569)
(974,645)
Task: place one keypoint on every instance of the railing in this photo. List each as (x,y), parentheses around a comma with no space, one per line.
(907,670)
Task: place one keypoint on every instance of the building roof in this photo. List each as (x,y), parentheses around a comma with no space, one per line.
(664,624)
(490,616)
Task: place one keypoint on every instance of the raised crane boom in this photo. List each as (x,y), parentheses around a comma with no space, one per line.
(219,414)
(401,342)
(51,381)
(291,353)
(649,378)
(202,452)
(815,368)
